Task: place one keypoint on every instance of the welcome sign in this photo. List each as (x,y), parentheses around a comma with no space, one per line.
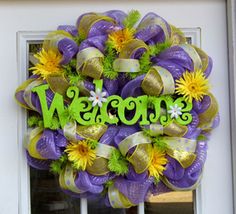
(87,114)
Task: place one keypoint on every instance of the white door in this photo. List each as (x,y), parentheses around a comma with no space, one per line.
(215,193)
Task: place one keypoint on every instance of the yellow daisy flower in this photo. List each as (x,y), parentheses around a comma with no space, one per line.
(192,85)
(49,63)
(157,165)
(120,37)
(81,154)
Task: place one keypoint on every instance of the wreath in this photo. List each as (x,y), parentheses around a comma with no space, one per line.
(119,107)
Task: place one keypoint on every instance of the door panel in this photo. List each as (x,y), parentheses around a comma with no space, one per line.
(215,192)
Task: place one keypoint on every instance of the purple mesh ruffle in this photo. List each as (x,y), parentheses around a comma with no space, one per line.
(38,164)
(68,48)
(192,126)
(71,29)
(133,88)
(185,178)
(96,42)
(108,137)
(176,55)
(117,15)
(50,143)
(130,188)
(154,33)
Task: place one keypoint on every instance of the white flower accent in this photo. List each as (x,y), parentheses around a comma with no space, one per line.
(97,97)
(175,111)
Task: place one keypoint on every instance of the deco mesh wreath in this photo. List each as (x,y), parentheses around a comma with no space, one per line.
(118,108)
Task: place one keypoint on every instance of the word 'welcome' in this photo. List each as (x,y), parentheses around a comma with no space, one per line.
(142,109)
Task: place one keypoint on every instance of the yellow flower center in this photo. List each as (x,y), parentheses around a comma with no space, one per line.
(120,38)
(158,163)
(83,150)
(81,154)
(192,85)
(49,63)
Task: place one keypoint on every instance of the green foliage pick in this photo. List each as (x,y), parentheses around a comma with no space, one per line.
(78,40)
(145,62)
(110,56)
(55,123)
(160,143)
(70,68)
(70,72)
(109,183)
(38,121)
(69,114)
(146,132)
(35,121)
(74,79)
(145,65)
(57,165)
(158,48)
(118,163)
(145,59)
(131,19)
(93,144)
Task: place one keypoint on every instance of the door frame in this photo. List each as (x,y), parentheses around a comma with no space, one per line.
(231,24)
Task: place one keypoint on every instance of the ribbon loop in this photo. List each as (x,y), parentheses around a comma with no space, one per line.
(100,164)
(99,167)
(193,55)
(89,62)
(104,150)
(27,93)
(88,20)
(131,47)
(69,131)
(203,56)
(58,84)
(181,149)
(93,132)
(31,144)
(20,90)
(177,36)
(51,40)
(132,141)
(152,21)
(23,94)
(67,179)
(156,129)
(117,199)
(86,54)
(207,117)
(142,156)
(126,65)
(158,80)
(175,188)
(171,129)
(175,129)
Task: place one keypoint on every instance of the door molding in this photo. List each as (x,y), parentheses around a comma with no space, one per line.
(231,23)
(23,40)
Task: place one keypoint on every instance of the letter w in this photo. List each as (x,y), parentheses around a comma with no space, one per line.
(56,105)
